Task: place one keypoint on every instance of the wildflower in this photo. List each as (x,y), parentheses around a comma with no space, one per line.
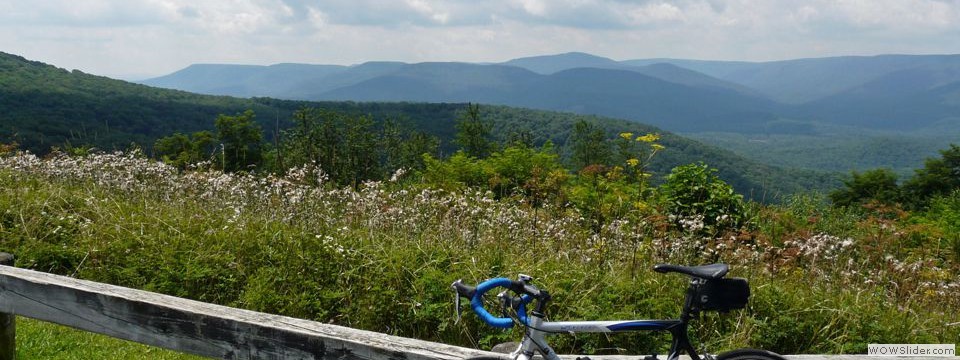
(626,135)
(398,174)
(633,162)
(649,138)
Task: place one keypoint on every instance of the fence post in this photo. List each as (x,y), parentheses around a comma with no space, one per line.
(8,324)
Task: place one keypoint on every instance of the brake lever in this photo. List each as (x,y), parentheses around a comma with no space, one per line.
(457,310)
(505,303)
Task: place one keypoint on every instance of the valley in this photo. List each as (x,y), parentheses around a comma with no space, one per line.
(830,114)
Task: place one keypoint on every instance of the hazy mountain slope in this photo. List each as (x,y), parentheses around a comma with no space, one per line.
(948,95)
(614,93)
(714,68)
(313,88)
(549,64)
(901,100)
(219,79)
(891,92)
(676,74)
(242,80)
(438,82)
(634,96)
(804,80)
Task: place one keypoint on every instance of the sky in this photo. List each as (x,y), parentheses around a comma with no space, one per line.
(138,39)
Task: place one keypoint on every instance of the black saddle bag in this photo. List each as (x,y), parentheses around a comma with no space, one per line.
(724,294)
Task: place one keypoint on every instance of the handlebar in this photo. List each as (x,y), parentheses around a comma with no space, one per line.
(475,294)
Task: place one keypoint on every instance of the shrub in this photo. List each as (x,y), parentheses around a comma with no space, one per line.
(695,192)
(878,185)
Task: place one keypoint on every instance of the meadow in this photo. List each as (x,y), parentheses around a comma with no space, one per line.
(381,255)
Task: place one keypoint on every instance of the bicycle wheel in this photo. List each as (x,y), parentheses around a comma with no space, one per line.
(749,354)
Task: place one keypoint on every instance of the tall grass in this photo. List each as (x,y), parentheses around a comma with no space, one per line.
(40,340)
(382,257)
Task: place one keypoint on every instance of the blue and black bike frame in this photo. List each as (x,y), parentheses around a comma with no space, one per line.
(537,328)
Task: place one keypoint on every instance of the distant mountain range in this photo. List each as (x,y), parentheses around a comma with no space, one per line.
(890,92)
(42,106)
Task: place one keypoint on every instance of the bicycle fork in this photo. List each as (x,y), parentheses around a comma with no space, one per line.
(533,341)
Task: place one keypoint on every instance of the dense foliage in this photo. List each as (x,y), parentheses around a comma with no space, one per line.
(381,256)
(694,191)
(938,178)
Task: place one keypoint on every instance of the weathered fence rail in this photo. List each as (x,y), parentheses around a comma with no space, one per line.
(212,330)
(194,327)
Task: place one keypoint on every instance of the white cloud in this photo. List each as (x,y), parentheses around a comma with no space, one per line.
(158,36)
(656,12)
(534,7)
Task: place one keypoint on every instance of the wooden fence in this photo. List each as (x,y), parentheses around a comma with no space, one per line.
(212,330)
(191,326)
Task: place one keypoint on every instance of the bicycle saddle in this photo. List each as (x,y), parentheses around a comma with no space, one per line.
(709,272)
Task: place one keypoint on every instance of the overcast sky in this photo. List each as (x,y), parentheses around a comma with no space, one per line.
(142,38)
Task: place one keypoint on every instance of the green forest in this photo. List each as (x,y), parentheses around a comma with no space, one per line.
(44,107)
(307,235)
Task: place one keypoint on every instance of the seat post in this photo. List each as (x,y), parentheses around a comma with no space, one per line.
(679,334)
(690,307)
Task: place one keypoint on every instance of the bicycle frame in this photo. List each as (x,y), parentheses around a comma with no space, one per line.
(706,282)
(536,330)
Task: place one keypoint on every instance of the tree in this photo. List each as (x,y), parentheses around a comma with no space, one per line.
(299,143)
(181,150)
(361,154)
(241,139)
(938,177)
(521,137)
(873,185)
(412,149)
(204,144)
(175,149)
(521,170)
(589,145)
(473,133)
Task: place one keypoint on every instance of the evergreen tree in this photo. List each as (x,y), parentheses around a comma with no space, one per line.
(473,133)
(589,145)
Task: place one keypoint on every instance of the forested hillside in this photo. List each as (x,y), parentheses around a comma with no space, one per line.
(826,114)
(43,106)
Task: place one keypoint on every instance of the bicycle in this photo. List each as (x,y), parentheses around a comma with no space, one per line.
(709,290)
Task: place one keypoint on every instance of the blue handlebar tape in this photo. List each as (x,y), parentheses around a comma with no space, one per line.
(499,322)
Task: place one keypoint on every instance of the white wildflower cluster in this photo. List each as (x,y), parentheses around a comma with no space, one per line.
(397,175)
(689,224)
(820,246)
(684,249)
(125,171)
(303,197)
(624,233)
(945,289)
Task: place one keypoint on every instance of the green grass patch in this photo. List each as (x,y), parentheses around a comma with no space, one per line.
(42,340)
